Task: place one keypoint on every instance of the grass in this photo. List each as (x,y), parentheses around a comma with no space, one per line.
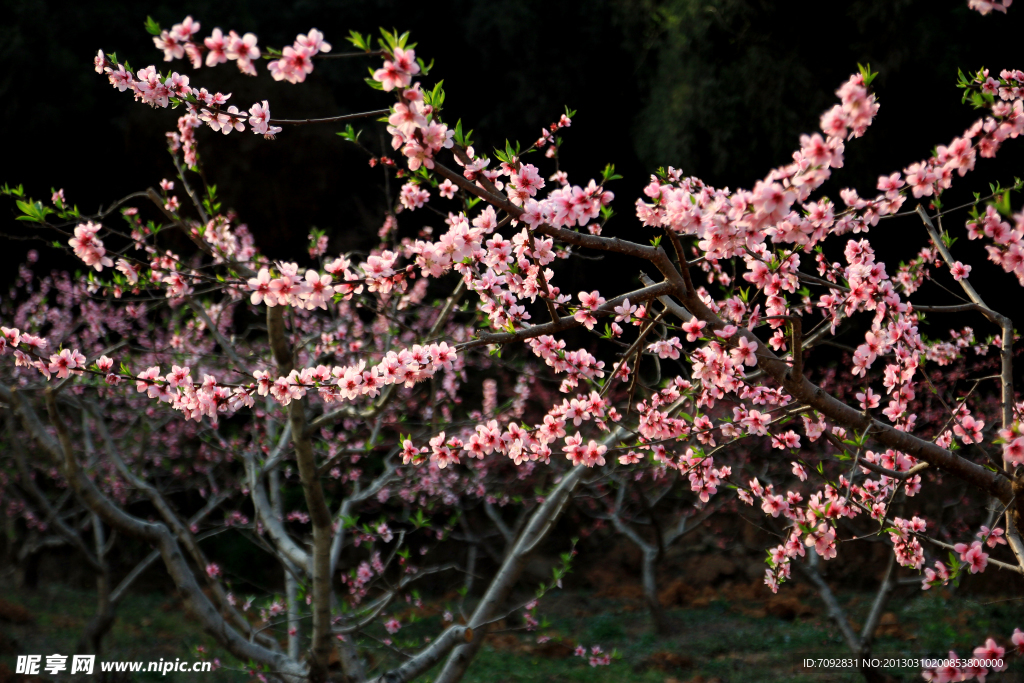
(719,638)
(148,628)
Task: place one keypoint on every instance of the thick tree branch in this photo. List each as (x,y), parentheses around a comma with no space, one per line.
(316,503)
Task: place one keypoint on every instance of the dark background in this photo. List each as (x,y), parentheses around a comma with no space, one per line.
(719,88)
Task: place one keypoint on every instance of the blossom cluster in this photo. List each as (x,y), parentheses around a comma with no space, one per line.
(180,41)
(89,247)
(211,397)
(520,444)
(293,66)
(596,657)
(313,290)
(153,88)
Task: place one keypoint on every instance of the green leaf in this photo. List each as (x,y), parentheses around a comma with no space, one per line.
(610,174)
(350,133)
(152,27)
(35,212)
(866,73)
(420,520)
(436,96)
(391,40)
(1002,204)
(358,40)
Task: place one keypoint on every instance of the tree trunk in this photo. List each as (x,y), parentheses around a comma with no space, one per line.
(662,625)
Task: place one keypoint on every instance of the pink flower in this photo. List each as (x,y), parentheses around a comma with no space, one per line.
(259,118)
(991,650)
(630,458)
(991,537)
(868,399)
(146,381)
(407,118)
(293,66)
(129,271)
(744,351)
(693,328)
(973,555)
(593,454)
(243,50)
(1013,451)
(212,570)
(446,189)
(960,271)
(170,44)
(317,290)
(89,247)
(392,625)
(216,45)
(756,422)
(313,41)
(260,286)
(397,73)
(624,311)
(65,362)
(412,196)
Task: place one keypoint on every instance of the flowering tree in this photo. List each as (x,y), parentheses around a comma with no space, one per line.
(242,366)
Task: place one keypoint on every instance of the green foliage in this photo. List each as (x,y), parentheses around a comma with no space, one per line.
(210,201)
(866,73)
(508,155)
(360,41)
(435,97)
(390,41)
(34,212)
(461,139)
(609,174)
(350,133)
